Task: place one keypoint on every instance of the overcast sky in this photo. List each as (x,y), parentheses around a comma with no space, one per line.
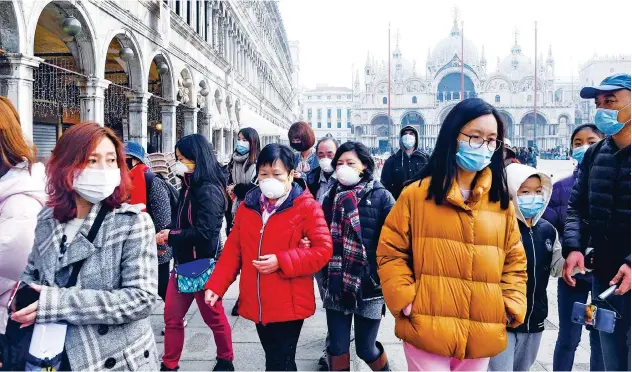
(334,35)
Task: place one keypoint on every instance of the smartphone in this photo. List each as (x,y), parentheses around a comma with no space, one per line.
(22,296)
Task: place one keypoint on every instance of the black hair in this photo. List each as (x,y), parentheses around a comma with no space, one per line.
(274,152)
(197,149)
(363,154)
(325,139)
(252,137)
(590,126)
(442,167)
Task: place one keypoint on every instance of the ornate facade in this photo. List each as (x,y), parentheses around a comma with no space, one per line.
(153,70)
(423,98)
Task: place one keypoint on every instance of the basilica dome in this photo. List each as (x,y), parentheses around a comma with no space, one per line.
(516,65)
(445,50)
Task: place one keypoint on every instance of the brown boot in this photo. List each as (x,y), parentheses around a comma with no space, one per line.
(381,363)
(339,362)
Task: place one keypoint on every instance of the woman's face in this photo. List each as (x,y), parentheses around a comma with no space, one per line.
(351,159)
(483,128)
(585,137)
(276,170)
(240,137)
(103,156)
(189,163)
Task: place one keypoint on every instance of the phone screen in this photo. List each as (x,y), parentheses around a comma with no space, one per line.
(23,296)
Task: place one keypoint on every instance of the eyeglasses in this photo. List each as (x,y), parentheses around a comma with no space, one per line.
(477,142)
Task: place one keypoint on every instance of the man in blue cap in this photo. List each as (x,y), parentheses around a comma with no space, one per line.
(599,213)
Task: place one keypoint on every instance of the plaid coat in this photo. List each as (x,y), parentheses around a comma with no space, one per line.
(108,311)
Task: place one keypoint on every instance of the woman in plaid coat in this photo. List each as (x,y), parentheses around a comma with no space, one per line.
(107,311)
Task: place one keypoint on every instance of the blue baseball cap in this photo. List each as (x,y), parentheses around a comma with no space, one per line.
(136,150)
(609,84)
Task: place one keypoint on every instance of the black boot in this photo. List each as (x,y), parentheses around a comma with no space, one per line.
(224,365)
(163,367)
(235,310)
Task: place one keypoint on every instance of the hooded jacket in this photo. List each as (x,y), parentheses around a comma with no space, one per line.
(541,245)
(22,196)
(460,264)
(288,293)
(400,167)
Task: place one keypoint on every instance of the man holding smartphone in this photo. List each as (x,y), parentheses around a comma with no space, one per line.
(599,211)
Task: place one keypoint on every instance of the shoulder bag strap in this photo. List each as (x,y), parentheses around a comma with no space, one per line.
(72,281)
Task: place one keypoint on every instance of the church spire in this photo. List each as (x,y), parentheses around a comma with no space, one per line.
(456,31)
(515,49)
(549,58)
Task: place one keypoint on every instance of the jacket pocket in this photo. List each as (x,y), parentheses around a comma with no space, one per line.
(141,355)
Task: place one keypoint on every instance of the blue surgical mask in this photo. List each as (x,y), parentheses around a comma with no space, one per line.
(530,205)
(607,122)
(471,159)
(242,147)
(578,152)
(408,140)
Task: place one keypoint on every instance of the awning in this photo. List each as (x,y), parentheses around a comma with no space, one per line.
(250,119)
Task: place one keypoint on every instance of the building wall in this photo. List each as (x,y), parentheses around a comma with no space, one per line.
(334,100)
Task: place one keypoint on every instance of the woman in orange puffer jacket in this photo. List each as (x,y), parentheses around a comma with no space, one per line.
(276,289)
(451,262)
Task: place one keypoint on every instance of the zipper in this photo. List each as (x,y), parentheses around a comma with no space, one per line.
(535,280)
(259,274)
(186,193)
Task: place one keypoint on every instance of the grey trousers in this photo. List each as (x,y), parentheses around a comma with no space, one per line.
(319,281)
(520,354)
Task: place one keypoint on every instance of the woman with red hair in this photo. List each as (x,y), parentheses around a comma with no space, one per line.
(21,198)
(94,258)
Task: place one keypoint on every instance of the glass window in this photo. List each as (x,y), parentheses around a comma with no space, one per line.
(497,99)
(329,124)
(319,114)
(309,114)
(320,125)
(328,113)
(349,124)
(384,100)
(339,124)
(339,97)
(414,99)
(339,113)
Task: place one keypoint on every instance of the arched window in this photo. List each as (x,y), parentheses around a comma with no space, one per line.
(414,99)
(497,98)
(384,100)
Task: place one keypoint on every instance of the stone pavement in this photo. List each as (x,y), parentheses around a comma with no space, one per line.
(199,347)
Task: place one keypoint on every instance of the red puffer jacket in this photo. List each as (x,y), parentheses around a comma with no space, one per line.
(288,293)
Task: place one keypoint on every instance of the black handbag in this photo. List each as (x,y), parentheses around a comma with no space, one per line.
(16,341)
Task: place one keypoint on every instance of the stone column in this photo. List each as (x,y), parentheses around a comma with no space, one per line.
(190,120)
(221,146)
(137,120)
(207,130)
(168,110)
(215,29)
(92,99)
(16,83)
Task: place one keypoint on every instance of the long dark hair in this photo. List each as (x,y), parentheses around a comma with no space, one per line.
(197,149)
(442,167)
(252,137)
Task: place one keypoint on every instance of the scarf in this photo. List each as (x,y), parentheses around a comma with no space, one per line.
(240,172)
(349,263)
(139,188)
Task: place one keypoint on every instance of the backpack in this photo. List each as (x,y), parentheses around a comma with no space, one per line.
(173,194)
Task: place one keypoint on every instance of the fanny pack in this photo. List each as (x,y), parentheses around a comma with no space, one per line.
(192,276)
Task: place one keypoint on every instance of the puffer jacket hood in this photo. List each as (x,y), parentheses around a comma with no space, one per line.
(516,175)
(19,180)
(401,133)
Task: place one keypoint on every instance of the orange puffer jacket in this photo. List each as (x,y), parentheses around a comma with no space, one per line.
(461,265)
(288,293)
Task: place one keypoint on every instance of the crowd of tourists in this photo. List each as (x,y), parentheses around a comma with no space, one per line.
(458,244)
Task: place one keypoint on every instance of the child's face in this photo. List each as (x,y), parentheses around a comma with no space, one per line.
(532,186)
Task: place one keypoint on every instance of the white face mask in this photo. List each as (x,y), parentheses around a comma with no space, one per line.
(347,176)
(180,169)
(325,165)
(408,140)
(272,188)
(95,185)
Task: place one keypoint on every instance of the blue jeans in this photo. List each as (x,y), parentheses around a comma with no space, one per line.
(339,326)
(615,346)
(570,333)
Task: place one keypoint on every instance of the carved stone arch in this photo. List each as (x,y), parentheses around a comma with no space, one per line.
(134,68)
(160,56)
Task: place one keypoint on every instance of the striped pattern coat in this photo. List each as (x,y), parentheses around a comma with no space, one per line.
(108,311)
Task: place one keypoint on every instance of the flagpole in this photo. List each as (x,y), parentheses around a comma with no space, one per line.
(535,90)
(462,65)
(390,140)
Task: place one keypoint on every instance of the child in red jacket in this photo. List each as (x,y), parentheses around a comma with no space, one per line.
(276,286)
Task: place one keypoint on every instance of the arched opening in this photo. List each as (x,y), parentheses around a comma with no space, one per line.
(509,125)
(497,98)
(529,123)
(61,84)
(416,120)
(414,99)
(382,124)
(384,100)
(449,88)
(159,84)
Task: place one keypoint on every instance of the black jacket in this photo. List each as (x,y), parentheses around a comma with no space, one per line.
(373,209)
(400,167)
(599,208)
(198,222)
(538,242)
(313,181)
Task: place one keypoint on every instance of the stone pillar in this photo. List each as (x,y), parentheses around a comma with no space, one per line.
(207,130)
(190,120)
(137,120)
(221,36)
(16,83)
(221,146)
(92,99)
(215,29)
(168,110)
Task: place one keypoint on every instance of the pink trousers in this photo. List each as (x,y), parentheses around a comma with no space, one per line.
(419,360)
